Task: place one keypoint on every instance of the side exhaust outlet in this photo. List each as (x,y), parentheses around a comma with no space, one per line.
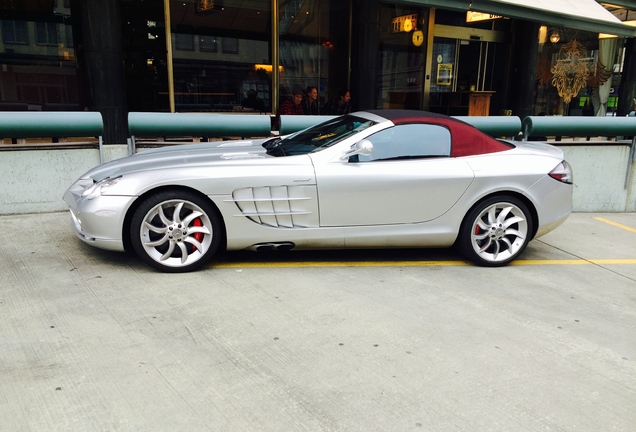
(266,247)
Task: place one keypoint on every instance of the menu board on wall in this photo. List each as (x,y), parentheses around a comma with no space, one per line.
(444,74)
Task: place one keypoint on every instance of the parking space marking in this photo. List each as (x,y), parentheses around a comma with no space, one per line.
(413,263)
(342,264)
(616,224)
(574,262)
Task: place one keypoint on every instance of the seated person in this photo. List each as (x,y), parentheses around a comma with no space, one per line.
(310,103)
(339,106)
(294,105)
(252,102)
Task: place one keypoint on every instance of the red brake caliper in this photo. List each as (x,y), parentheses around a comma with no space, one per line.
(198,236)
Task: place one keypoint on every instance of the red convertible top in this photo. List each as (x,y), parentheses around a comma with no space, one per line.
(466,140)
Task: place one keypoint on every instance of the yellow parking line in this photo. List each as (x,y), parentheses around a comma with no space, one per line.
(413,263)
(616,224)
(574,262)
(342,264)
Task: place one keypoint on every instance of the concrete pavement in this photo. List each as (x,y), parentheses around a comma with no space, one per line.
(393,341)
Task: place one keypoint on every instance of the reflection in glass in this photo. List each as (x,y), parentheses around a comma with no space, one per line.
(216,47)
(38,68)
(314,47)
(318,137)
(401,69)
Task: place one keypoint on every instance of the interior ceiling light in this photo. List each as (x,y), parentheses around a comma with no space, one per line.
(555,37)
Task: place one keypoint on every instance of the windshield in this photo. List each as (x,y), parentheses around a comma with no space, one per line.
(317,137)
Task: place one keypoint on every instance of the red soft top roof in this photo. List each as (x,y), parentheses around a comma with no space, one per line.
(466,140)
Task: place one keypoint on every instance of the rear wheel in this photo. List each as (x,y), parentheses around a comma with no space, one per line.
(496,231)
(175,231)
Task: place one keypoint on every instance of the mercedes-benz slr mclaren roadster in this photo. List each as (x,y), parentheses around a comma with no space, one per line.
(372,179)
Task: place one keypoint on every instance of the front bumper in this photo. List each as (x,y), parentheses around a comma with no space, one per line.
(99,221)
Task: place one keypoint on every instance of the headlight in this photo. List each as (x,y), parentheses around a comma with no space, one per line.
(98,188)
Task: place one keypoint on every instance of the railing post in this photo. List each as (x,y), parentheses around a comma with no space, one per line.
(630,161)
(131,145)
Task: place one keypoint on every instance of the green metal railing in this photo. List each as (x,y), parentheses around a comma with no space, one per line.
(197,125)
(584,127)
(55,124)
(39,124)
(578,126)
(293,123)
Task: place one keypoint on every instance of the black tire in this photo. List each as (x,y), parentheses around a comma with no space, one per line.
(495,231)
(176,231)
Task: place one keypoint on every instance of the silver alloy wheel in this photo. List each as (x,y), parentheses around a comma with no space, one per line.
(500,232)
(176,233)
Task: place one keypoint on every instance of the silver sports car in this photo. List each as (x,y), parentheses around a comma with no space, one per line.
(372,179)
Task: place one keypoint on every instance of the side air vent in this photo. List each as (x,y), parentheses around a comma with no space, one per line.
(278,206)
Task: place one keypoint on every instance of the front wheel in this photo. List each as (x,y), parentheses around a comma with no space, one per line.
(175,231)
(496,231)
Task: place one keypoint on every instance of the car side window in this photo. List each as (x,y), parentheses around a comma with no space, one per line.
(413,141)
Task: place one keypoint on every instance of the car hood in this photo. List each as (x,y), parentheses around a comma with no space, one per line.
(189,155)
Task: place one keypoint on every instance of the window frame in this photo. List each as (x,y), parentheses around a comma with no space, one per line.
(49,30)
(425,131)
(15,32)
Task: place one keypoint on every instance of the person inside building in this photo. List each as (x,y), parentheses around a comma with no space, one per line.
(293,105)
(310,103)
(339,106)
(252,102)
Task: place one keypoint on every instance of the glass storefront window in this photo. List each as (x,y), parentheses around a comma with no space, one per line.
(468,57)
(314,47)
(220,53)
(38,69)
(144,50)
(548,101)
(402,56)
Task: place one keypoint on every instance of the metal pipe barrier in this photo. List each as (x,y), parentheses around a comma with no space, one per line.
(53,124)
(584,127)
(578,126)
(294,123)
(196,125)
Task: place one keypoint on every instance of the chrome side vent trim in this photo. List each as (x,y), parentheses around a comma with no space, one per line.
(276,206)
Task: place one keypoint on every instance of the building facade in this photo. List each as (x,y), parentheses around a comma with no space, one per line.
(456,57)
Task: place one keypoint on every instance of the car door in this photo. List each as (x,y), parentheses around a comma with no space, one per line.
(408,178)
